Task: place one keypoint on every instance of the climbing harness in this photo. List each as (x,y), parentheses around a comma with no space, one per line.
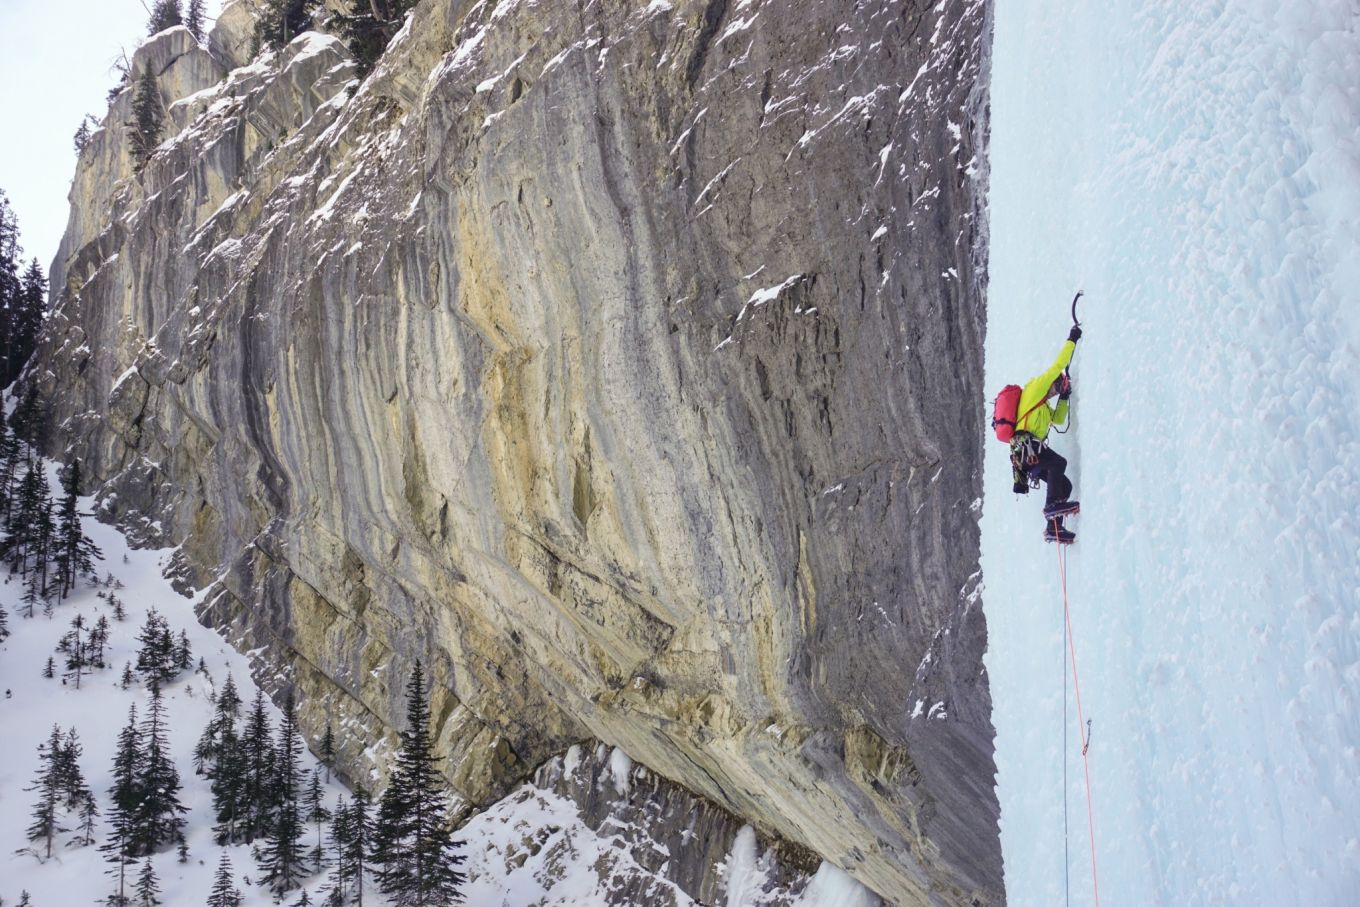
(1084,726)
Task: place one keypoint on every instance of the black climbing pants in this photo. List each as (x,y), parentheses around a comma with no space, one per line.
(1052,469)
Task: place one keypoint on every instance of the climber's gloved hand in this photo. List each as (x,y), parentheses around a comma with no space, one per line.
(1064,387)
(1075,334)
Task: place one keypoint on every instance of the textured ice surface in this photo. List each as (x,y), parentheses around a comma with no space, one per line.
(1192,166)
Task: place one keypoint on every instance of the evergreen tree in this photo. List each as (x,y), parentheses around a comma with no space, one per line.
(148,893)
(28,317)
(4,624)
(156,654)
(165,14)
(328,750)
(76,663)
(158,812)
(31,530)
(281,21)
(127,678)
(412,840)
(148,118)
(228,710)
(87,810)
(99,640)
(315,811)
(283,852)
(69,776)
(11,295)
(50,669)
(124,796)
(11,455)
(47,783)
(184,658)
(367,26)
(194,20)
(258,770)
(76,551)
(228,773)
(221,750)
(351,836)
(25,899)
(83,133)
(224,892)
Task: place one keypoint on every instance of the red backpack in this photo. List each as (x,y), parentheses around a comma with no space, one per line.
(1004,412)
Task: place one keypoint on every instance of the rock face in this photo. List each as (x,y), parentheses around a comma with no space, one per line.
(621,361)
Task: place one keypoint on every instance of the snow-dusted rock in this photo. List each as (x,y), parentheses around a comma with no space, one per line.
(570,354)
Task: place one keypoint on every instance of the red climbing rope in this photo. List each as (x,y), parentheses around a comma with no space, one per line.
(1082,727)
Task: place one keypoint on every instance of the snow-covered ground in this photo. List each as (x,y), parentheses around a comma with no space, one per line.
(98,711)
(1195,167)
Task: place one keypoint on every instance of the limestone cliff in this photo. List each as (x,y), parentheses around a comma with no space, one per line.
(620,360)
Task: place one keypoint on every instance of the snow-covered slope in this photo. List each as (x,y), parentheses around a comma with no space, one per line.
(1193,167)
(98,711)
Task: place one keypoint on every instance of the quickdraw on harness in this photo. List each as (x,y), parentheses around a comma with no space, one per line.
(1025,451)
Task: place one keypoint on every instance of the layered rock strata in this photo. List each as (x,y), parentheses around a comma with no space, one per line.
(619,361)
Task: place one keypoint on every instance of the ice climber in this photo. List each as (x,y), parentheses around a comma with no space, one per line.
(1032,460)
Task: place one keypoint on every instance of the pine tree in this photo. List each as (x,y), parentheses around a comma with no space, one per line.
(280,21)
(50,669)
(315,811)
(76,552)
(367,26)
(221,751)
(87,810)
(127,679)
(258,769)
(11,292)
(125,796)
(412,842)
(83,133)
(194,20)
(76,664)
(283,858)
(351,836)
(156,654)
(4,624)
(47,783)
(158,819)
(224,892)
(165,14)
(328,750)
(184,658)
(69,776)
(228,710)
(99,640)
(148,893)
(231,810)
(25,899)
(31,529)
(148,118)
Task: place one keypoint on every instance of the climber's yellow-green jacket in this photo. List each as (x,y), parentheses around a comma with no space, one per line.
(1035,394)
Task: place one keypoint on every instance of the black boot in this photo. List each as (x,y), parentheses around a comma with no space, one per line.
(1062,508)
(1054,532)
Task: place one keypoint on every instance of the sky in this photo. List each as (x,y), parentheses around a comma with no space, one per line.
(56,61)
